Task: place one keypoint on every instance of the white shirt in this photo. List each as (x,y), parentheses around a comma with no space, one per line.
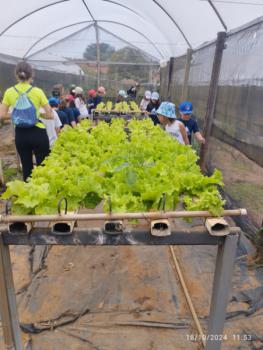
(143,105)
(174,130)
(51,125)
(81,106)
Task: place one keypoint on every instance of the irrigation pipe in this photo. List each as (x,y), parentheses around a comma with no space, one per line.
(117,216)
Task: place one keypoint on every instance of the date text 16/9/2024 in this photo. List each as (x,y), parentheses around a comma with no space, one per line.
(218,337)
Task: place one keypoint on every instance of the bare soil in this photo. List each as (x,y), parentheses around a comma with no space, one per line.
(242,177)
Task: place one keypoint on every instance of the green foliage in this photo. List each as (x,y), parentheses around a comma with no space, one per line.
(10,173)
(106,52)
(136,71)
(135,171)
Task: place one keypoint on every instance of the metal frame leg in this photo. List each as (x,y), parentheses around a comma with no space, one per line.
(8,308)
(221,289)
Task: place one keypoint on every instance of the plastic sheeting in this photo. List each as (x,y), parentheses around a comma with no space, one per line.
(201,66)
(162,28)
(242,60)
(238,117)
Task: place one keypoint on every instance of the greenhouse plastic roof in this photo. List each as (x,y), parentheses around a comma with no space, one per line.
(162,28)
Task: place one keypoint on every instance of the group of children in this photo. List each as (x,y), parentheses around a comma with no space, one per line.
(72,108)
(69,109)
(181,127)
(38,120)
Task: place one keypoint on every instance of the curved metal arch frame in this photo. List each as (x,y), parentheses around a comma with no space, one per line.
(135,30)
(83,22)
(52,32)
(163,9)
(87,8)
(60,40)
(217,14)
(126,42)
(124,6)
(174,22)
(87,27)
(30,14)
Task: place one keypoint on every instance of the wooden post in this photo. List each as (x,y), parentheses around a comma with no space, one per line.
(98,52)
(9,316)
(189,54)
(212,95)
(2,179)
(170,77)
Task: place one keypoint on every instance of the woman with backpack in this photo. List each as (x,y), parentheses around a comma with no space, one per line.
(25,102)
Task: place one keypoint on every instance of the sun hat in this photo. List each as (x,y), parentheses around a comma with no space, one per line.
(78,90)
(122,93)
(167,109)
(148,94)
(186,107)
(92,92)
(53,102)
(102,90)
(155,96)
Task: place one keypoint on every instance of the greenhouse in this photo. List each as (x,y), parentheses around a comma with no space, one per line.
(131,175)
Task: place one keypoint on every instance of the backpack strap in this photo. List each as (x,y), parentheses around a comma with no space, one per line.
(26,92)
(16,90)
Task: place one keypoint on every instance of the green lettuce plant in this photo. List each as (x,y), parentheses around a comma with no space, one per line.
(135,168)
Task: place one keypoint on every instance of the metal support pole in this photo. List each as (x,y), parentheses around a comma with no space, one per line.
(189,54)
(211,101)
(151,75)
(8,308)
(98,52)
(221,289)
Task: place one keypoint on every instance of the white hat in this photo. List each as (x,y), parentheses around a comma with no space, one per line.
(148,94)
(78,90)
(122,93)
(155,96)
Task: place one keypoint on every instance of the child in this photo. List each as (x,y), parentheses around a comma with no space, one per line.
(145,101)
(92,102)
(63,107)
(121,97)
(167,117)
(153,106)
(80,103)
(186,111)
(72,106)
(52,125)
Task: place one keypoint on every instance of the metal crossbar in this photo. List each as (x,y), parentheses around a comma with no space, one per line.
(227,246)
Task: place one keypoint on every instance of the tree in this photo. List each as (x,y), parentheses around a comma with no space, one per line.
(106,51)
(131,55)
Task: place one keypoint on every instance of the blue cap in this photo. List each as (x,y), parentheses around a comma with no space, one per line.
(54,102)
(186,107)
(167,109)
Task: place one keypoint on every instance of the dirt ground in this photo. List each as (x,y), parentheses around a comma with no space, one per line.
(115,298)
(242,177)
